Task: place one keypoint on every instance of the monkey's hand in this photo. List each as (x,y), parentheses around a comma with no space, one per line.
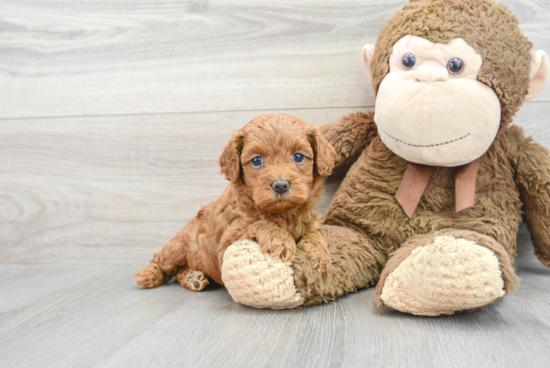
(273,239)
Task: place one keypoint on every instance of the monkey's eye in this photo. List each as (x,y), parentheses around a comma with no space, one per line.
(257,161)
(298,158)
(455,66)
(409,61)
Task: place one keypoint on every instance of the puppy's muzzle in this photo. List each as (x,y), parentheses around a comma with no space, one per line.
(280,186)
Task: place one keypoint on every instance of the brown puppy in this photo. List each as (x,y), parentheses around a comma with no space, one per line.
(276,165)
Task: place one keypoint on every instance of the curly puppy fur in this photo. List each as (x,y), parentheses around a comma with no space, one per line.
(250,208)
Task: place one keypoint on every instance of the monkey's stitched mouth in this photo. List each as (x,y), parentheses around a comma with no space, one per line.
(424,146)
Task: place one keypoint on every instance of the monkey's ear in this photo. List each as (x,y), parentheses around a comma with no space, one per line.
(538,74)
(230,160)
(325,155)
(367,54)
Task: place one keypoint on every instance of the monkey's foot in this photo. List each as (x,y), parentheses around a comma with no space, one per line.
(192,280)
(257,279)
(447,275)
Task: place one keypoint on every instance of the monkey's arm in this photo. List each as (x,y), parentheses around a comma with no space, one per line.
(532,164)
(349,136)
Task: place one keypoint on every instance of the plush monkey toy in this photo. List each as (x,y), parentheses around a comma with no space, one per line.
(439,178)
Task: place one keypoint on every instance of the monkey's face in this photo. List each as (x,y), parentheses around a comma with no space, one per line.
(430,107)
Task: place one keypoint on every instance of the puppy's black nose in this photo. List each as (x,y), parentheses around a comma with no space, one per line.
(280,186)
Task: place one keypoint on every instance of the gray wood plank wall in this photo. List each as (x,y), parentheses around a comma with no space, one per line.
(113,114)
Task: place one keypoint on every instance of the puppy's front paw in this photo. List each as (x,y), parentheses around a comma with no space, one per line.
(281,246)
(317,253)
(320,260)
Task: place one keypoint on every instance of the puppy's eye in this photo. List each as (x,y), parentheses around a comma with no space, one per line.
(298,158)
(257,161)
(409,61)
(455,66)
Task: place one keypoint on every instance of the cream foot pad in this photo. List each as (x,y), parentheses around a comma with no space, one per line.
(443,277)
(257,279)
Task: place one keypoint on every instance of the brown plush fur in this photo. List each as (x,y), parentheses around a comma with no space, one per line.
(366,227)
(250,208)
(531,162)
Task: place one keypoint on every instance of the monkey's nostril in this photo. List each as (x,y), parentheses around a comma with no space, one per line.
(280,186)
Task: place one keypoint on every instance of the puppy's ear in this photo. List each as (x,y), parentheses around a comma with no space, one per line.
(325,154)
(230,160)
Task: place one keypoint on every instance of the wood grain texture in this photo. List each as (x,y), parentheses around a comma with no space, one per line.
(112,118)
(113,190)
(75,58)
(95,316)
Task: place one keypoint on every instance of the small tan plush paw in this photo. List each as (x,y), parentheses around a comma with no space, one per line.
(451,274)
(258,279)
(192,280)
(150,276)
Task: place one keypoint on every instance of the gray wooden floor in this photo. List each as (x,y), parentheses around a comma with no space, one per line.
(95,316)
(112,118)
